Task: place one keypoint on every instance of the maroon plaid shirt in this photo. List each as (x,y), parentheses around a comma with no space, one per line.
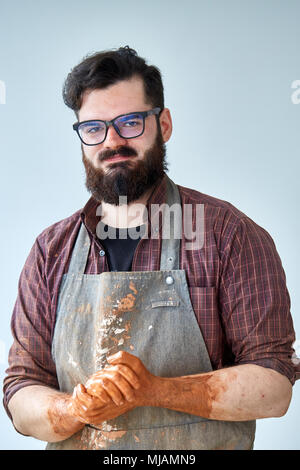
(236,282)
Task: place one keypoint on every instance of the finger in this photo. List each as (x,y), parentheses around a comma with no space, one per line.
(121,376)
(79,406)
(95,388)
(83,404)
(126,372)
(86,401)
(111,389)
(120,382)
(123,357)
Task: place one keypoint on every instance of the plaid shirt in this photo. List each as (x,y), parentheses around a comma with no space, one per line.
(236,283)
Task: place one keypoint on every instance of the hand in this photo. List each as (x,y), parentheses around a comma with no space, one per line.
(116,383)
(103,395)
(91,410)
(126,379)
(83,406)
(115,390)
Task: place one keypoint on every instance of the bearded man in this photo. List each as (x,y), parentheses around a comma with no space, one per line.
(125,338)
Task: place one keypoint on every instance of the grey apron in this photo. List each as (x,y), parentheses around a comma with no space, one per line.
(148,314)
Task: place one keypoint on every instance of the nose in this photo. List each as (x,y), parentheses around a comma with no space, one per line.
(113,139)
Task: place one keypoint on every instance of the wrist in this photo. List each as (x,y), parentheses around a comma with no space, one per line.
(156,392)
(63,423)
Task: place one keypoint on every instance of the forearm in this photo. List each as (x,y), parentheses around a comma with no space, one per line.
(42,412)
(238,393)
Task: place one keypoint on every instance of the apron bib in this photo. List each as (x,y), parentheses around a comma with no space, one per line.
(148,314)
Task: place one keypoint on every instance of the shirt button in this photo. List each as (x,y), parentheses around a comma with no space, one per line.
(102,253)
(169,280)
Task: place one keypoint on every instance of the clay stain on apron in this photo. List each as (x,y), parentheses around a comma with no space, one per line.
(113,334)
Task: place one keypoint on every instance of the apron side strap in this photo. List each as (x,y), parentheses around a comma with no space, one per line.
(80,252)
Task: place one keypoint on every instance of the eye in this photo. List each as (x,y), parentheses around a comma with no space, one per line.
(91,128)
(130,121)
(130,124)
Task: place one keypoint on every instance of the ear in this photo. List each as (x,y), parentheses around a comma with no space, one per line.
(165,124)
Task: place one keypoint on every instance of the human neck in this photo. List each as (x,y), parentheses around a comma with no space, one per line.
(125,215)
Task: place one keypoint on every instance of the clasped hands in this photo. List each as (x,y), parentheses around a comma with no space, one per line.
(114,390)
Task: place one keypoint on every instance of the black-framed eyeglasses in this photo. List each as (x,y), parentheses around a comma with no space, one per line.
(128,126)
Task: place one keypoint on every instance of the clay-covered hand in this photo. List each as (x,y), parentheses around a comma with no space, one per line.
(83,406)
(89,409)
(126,380)
(114,390)
(114,382)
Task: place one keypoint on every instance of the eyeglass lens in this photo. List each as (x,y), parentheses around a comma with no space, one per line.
(130,125)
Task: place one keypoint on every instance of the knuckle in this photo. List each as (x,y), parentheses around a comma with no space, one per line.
(139,364)
(102,395)
(118,376)
(121,368)
(105,381)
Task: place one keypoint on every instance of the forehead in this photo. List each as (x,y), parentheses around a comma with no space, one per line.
(122,97)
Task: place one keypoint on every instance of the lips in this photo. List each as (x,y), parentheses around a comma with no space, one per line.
(117,158)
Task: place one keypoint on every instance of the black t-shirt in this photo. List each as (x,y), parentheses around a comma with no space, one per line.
(120,245)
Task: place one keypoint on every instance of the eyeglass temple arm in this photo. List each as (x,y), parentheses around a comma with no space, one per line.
(154,111)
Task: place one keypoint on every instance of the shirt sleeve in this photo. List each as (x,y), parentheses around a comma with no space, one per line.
(255,302)
(30,361)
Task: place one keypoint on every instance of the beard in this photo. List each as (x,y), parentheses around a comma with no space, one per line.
(130,178)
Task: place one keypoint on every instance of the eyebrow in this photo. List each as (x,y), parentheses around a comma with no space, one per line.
(129,115)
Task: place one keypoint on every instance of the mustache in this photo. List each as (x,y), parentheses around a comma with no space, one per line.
(124,151)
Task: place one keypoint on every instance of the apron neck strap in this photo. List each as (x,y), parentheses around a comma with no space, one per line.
(171,228)
(171,235)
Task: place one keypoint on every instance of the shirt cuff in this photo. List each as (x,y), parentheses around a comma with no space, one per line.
(278,365)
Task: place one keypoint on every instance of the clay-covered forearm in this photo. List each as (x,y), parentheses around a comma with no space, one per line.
(238,393)
(43,413)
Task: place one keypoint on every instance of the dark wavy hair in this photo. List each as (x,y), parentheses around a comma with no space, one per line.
(105,68)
